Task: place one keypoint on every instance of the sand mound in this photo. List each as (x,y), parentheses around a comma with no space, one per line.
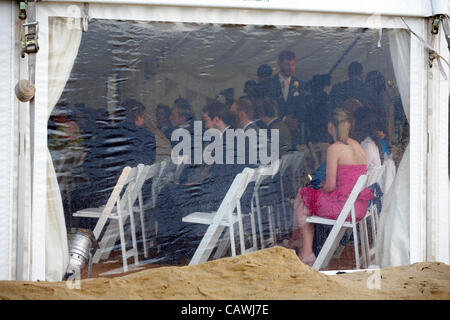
(274,273)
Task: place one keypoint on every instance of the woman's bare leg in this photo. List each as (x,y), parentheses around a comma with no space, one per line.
(307,232)
(295,239)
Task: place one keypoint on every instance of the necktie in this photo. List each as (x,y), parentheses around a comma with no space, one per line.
(285,88)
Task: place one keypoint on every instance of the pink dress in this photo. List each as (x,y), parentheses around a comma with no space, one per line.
(329,205)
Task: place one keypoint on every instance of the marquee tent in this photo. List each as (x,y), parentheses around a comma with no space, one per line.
(208,47)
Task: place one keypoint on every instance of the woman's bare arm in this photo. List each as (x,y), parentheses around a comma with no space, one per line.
(332,163)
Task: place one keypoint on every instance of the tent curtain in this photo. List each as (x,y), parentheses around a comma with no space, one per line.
(64,42)
(392,245)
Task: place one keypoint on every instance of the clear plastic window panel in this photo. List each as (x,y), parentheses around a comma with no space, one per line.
(150,92)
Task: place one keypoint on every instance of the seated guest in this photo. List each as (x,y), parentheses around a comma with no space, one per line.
(354,88)
(143,140)
(182,116)
(113,149)
(250,89)
(259,114)
(270,117)
(162,119)
(178,200)
(383,106)
(264,83)
(366,134)
(346,161)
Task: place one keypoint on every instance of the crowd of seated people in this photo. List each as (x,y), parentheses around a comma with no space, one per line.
(301,112)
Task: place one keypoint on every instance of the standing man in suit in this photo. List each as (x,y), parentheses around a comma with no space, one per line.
(287,90)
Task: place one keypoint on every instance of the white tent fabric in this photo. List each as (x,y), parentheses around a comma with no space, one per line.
(65,38)
(6,133)
(420,8)
(392,245)
(197,14)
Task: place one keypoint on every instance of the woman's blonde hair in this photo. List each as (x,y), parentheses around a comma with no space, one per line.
(343,123)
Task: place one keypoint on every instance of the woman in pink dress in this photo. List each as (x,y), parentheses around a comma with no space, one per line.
(346,161)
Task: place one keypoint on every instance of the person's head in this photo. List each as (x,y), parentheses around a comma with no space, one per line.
(264,71)
(245,111)
(217,115)
(258,106)
(340,125)
(135,111)
(355,70)
(351,105)
(269,109)
(162,114)
(366,124)
(286,63)
(376,80)
(250,88)
(181,114)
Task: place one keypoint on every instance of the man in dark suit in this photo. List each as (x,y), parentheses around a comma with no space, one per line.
(287,90)
(178,200)
(246,114)
(353,88)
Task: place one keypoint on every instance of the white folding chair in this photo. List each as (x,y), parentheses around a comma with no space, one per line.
(228,214)
(339,227)
(261,174)
(117,209)
(374,175)
(152,173)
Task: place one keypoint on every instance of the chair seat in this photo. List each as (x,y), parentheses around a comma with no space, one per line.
(332,222)
(207,218)
(95,213)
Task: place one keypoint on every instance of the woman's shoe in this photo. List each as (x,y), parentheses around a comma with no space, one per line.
(309,259)
(292,243)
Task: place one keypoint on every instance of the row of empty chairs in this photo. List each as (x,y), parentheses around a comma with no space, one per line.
(126,200)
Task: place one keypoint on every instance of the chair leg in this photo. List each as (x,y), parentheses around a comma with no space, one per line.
(223,245)
(241,229)
(254,238)
(328,248)
(283,204)
(106,242)
(233,245)
(271,224)
(122,244)
(258,213)
(355,243)
(133,239)
(144,237)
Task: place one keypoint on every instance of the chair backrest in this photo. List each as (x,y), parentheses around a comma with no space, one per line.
(263,172)
(132,180)
(151,172)
(235,191)
(286,162)
(290,165)
(359,186)
(375,175)
(181,163)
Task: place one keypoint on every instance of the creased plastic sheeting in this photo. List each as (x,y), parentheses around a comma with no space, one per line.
(123,66)
(65,37)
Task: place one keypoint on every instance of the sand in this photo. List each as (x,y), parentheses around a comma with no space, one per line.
(274,273)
